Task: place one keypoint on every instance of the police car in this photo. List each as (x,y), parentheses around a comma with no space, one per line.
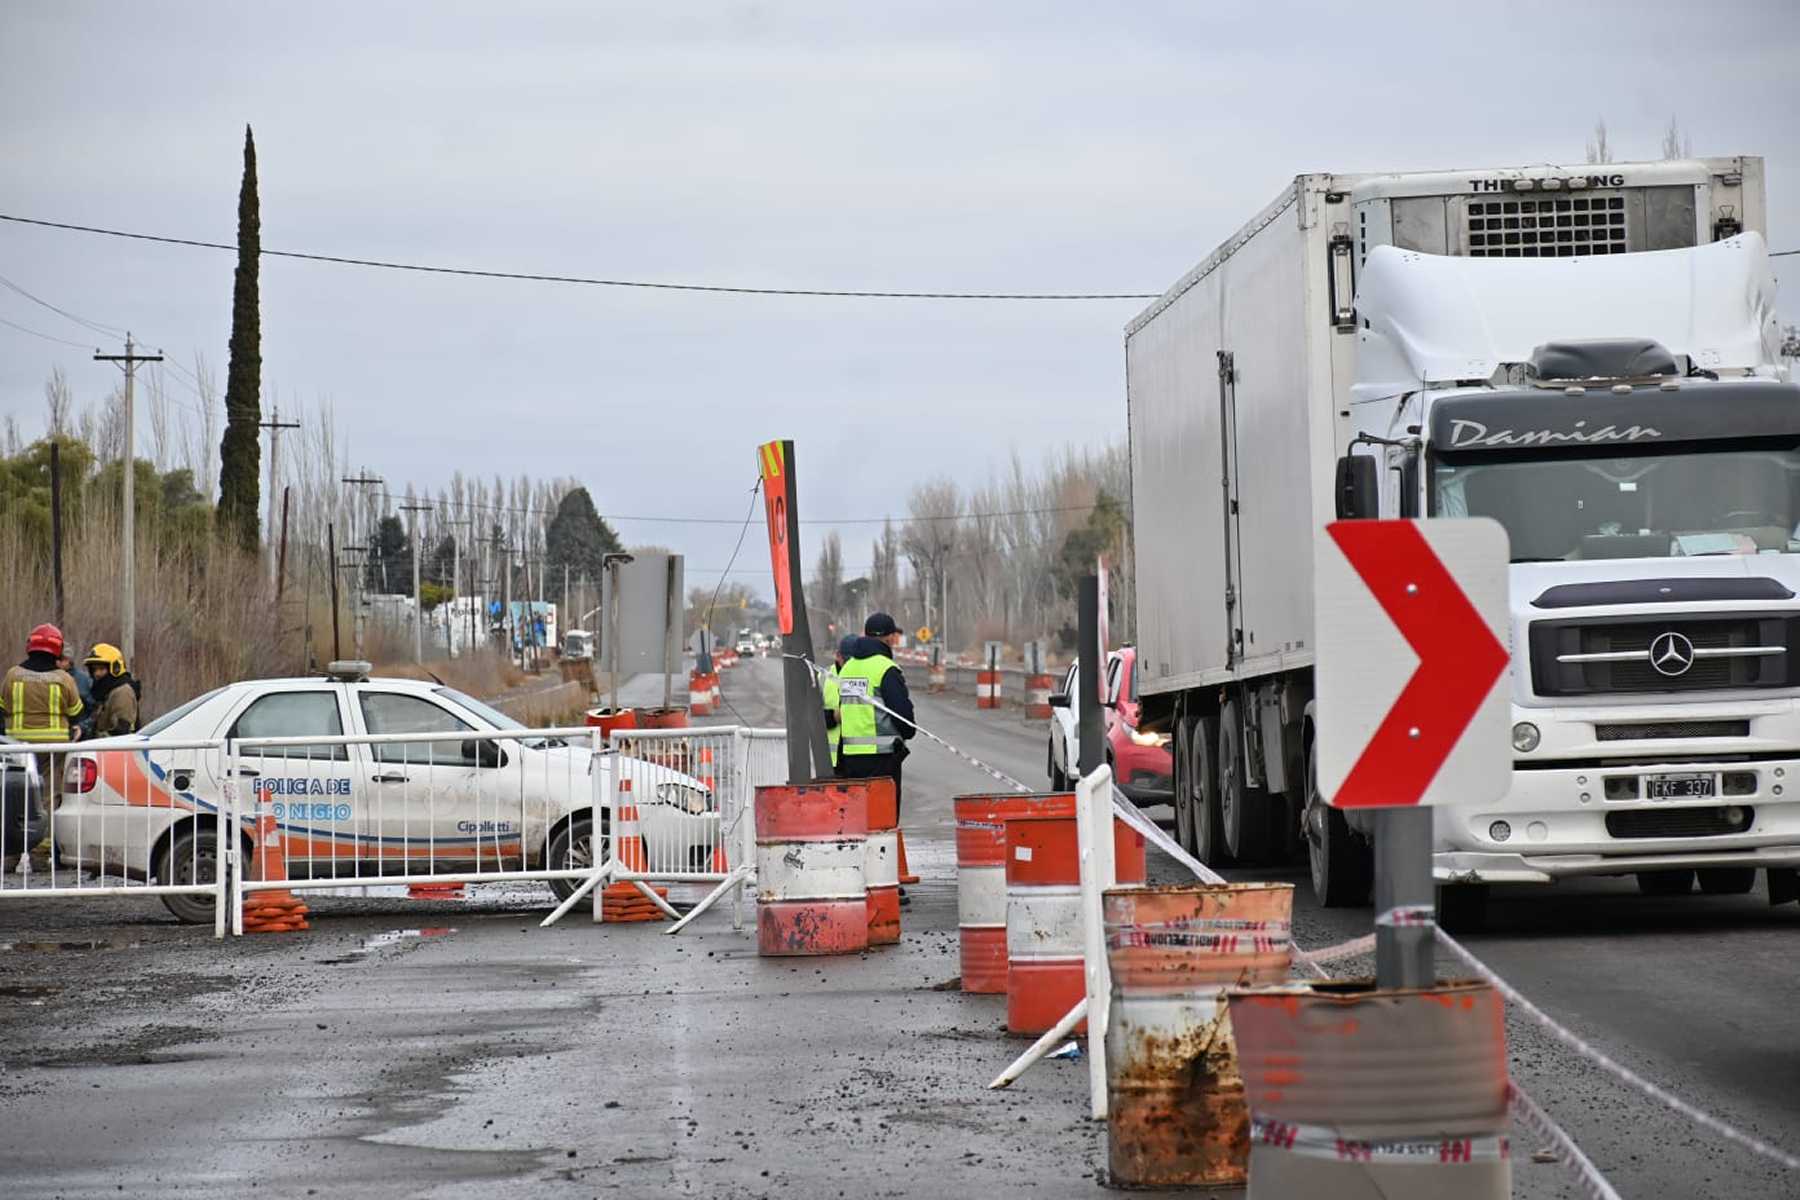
(363,809)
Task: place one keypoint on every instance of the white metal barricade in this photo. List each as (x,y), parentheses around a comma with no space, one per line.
(115,817)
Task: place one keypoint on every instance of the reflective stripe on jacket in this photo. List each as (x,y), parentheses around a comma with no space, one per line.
(39,704)
(865,729)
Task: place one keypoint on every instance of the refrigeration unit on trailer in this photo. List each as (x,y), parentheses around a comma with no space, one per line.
(1303,371)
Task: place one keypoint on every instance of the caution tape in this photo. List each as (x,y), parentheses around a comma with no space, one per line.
(1588,1178)
(1319,1141)
(1618,1070)
(1408,916)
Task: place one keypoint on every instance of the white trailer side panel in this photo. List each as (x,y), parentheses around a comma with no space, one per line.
(1259,297)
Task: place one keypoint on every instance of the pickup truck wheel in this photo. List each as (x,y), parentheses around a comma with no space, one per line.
(190,857)
(1342,864)
(573,847)
(1677,882)
(1200,788)
(1058,781)
(1726,881)
(1244,810)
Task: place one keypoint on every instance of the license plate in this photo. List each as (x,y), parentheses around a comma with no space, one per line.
(1680,787)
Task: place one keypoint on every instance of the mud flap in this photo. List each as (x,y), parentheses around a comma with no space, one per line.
(1784,884)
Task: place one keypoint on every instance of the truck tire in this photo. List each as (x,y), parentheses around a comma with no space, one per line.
(1462,907)
(1342,864)
(1198,789)
(1245,811)
(1677,882)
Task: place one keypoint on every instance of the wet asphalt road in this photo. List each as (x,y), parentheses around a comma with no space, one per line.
(490,1058)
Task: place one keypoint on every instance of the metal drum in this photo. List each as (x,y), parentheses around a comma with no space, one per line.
(811,897)
(1176,1111)
(981,877)
(881,862)
(1045,975)
(1360,1093)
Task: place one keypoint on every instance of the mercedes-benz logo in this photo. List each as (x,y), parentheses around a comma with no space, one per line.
(1671,654)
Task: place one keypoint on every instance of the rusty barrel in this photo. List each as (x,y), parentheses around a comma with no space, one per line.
(811,897)
(1357,1092)
(981,877)
(1045,975)
(881,861)
(1176,1111)
(609,719)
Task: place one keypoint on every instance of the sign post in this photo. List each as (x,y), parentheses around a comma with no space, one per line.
(809,757)
(1412,635)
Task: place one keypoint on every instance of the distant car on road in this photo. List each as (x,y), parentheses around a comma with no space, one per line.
(1141,762)
(370,809)
(746,643)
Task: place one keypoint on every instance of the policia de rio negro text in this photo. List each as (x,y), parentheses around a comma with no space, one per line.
(872,741)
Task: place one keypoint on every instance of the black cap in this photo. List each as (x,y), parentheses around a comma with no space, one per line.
(847,645)
(879,625)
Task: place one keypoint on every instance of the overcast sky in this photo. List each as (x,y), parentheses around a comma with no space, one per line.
(1001,146)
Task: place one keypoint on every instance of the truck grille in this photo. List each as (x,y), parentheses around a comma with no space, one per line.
(1551,227)
(1679,822)
(1764,639)
(1645,731)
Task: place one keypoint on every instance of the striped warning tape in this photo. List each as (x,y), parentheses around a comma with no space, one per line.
(1618,1070)
(1588,1178)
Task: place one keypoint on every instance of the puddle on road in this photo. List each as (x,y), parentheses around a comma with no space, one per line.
(382,941)
(67,947)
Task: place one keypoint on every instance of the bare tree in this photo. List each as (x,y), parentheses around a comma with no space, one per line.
(59,401)
(1599,150)
(929,540)
(1676,144)
(159,407)
(206,443)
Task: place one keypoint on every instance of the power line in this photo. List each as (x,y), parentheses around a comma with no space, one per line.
(97,326)
(536,277)
(45,336)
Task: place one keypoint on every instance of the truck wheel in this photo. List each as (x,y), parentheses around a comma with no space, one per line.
(1462,907)
(1343,865)
(1058,781)
(1200,790)
(1244,810)
(191,856)
(1726,881)
(1678,882)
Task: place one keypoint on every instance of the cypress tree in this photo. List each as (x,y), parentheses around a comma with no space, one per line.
(240,452)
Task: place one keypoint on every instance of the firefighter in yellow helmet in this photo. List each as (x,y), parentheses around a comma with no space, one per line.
(116,694)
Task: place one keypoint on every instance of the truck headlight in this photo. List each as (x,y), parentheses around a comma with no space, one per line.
(1140,738)
(694,801)
(1525,737)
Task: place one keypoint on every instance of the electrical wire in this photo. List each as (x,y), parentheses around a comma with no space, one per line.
(45,336)
(589,281)
(96,326)
(706,621)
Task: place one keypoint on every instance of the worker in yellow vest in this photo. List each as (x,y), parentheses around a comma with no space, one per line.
(39,698)
(873,739)
(828,689)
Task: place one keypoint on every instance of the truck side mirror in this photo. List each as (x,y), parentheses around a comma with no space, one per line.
(483,753)
(1358,490)
(1059,699)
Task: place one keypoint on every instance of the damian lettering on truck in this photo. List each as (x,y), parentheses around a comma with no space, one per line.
(301,787)
(1465,433)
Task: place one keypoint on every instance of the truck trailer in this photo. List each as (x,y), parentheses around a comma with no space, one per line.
(1588,355)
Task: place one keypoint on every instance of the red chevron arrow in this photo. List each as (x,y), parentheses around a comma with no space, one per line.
(1459,662)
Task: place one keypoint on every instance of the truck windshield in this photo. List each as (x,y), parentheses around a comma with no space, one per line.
(1731,500)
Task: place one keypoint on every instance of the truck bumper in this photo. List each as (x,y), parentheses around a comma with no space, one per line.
(1555,825)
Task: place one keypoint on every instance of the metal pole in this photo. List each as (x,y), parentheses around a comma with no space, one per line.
(331,555)
(1403,951)
(281,564)
(668,632)
(1090,721)
(418,595)
(612,630)
(128,546)
(56,564)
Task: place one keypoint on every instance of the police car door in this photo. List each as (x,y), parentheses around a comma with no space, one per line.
(310,790)
(435,802)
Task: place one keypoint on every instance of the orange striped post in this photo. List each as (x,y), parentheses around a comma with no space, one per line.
(981,878)
(1037,696)
(700,696)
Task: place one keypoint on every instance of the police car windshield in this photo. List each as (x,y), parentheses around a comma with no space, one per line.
(494,717)
(175,714)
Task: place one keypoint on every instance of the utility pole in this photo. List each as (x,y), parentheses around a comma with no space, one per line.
(281,564)
(128,542)
(331,553)
(56,566)
(365,481)
(418,599)
(275,425)
(456,590)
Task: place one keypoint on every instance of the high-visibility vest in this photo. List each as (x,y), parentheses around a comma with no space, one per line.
(865,729)
(39,704)
(828,688)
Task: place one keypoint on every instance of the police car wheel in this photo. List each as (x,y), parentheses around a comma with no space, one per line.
(190,857)
(574,846)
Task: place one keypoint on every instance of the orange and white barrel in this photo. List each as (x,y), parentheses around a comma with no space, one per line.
(812,893)
(1037,696)
(1398,1093)
(1176,1112)
(1045,975)
(981,877)
(987,689)
(712,686)
(700,697)
(881,862)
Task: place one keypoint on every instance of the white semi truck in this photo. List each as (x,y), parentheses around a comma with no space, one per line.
(1588,355)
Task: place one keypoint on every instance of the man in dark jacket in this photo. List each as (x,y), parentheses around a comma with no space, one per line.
(873,739)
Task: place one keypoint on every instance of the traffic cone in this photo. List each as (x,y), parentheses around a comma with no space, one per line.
(271,911)
(906,875)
